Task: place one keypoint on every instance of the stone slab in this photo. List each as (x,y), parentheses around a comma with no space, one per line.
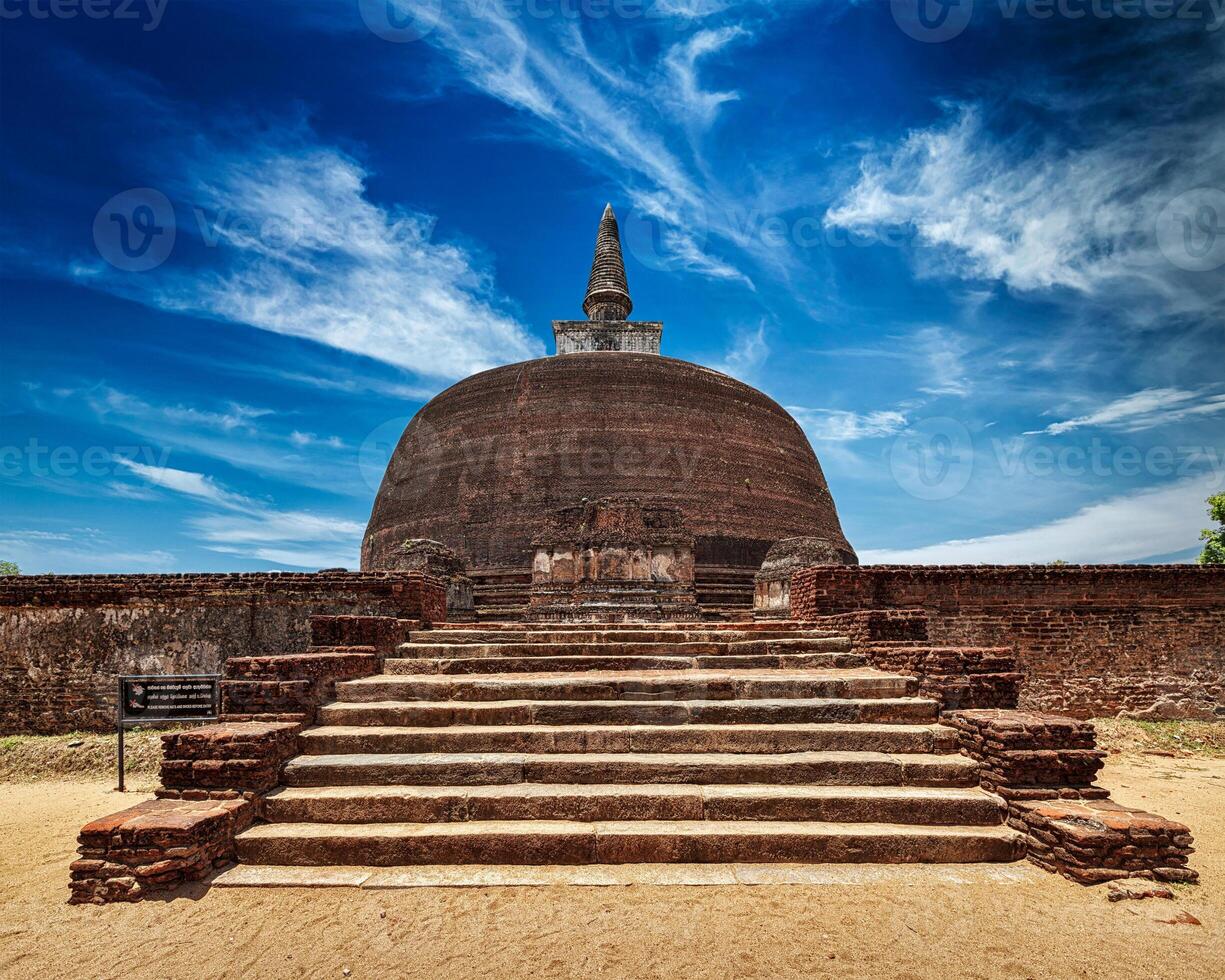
(287,876)
(622,875)
(655,712)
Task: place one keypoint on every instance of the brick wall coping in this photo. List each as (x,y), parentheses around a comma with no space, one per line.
(51,590)
(827,589)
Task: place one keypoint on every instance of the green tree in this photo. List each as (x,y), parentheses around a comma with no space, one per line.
(1214,549)
(9,568)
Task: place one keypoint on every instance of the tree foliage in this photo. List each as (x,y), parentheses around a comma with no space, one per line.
(1214,538)
(9,568)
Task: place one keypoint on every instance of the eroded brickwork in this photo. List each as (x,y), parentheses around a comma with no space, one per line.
(155,846)
(214,778)
(1091,640)
(957,677)
(1091,841)
(64,638)
(234,758)
(1044,766)
(1027,755)
(290,687)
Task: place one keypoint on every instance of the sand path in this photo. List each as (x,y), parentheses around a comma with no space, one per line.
(902,922)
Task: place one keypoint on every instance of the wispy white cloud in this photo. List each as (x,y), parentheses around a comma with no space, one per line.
(689,9)
(749,351)
(1131,527)
(282,537)
(831,425)
(302,251)
(304,439)
(1142,410)
(128,491)
(293,243)
(692,103)
(242,436)
(185,482)
(241,525)
(620,119)
(942,354)
(79,551)
(111,401)
(1049,216)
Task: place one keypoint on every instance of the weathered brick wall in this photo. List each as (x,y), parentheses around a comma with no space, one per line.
(64,638)
(1091,639)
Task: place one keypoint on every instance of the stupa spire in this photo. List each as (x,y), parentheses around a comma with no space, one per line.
(608,295)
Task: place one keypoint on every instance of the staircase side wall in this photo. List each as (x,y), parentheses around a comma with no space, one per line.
(1092,640)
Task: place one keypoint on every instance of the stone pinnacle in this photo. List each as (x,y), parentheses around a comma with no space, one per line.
(608,296)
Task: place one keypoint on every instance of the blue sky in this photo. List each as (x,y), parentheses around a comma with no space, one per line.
(978,253)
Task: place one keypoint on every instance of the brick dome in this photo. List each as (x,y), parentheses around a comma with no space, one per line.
(486,464)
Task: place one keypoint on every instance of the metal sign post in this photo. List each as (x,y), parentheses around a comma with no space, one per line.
(153,699)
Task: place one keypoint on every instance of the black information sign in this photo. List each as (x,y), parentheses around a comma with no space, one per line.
(146,699)
(168,697)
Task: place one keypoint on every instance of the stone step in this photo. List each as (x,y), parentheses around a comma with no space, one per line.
(534,664)
(743,624)
(579,648)
(936,806)
(615,634)
(907,710)
(551,842)
(486,768)
(497,613)
(350,739)
(670,685)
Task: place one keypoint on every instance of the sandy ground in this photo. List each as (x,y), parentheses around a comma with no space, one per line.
(908,922)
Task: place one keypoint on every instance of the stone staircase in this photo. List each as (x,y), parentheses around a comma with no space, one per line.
(568,744)
(500,594)
(724,593)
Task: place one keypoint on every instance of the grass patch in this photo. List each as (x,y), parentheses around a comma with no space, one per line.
(80,755)
(1202,739)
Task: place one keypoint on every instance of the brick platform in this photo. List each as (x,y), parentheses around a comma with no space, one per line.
(230,759)
(214,777)
(382,633)
(1043,766)
(1091,841)
(155,846)
(1028,755)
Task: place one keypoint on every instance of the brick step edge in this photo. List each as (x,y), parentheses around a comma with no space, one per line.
(155,846)
(1043,766)
(1091,841)
(453,804)
(623,842)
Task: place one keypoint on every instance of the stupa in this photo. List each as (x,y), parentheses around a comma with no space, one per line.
(489,464)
